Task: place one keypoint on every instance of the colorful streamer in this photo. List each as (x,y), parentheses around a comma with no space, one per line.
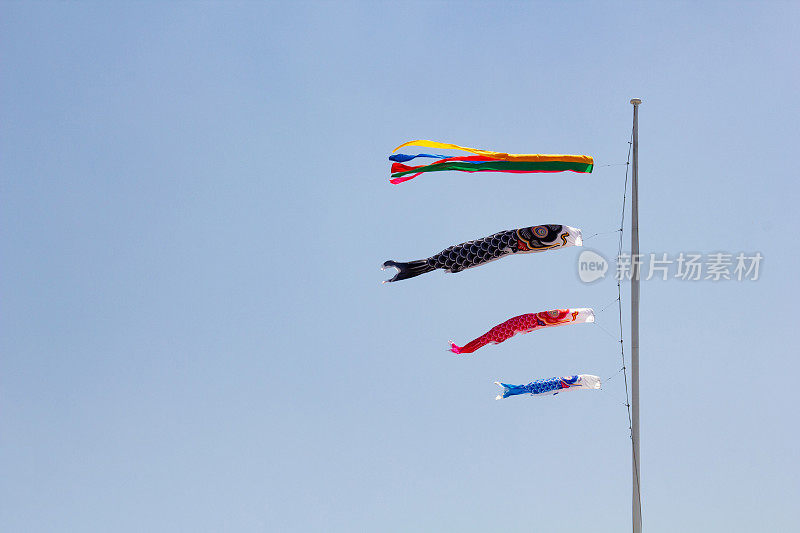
(545,387)
(485,161)
(402,158)
(525,324)
(474,253)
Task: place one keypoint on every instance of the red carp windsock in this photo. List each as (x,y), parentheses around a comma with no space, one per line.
(474,253)
(526,323)
(483,161)
(544,387)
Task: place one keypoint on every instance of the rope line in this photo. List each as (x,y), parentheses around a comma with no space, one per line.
(612,302)
(601,233)
(621,343)
(596,323)
(612,376)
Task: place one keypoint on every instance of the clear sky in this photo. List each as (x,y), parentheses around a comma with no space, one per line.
(194,207)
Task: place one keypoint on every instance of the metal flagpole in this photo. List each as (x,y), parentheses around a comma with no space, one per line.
(635,266)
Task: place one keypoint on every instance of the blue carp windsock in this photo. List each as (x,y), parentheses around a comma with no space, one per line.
(475,253)
(544,387)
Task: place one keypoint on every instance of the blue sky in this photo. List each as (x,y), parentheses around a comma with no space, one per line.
(195,206)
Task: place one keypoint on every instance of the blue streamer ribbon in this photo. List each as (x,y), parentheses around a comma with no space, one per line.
(402,158)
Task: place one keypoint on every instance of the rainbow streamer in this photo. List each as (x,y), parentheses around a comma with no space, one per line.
(484,161)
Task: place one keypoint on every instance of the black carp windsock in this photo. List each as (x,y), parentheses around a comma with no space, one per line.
(480,251)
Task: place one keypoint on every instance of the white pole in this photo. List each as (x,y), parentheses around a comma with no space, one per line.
(637,497)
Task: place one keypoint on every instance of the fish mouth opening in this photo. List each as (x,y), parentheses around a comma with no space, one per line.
(390,264)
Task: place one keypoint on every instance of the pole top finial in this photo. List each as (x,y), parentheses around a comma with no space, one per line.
(636,101)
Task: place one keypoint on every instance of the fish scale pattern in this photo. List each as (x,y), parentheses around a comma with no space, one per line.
(543,385)
(501,332)
(473,253)
(486,249)
(540,386)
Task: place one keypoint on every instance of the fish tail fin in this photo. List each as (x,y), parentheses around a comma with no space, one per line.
(506,390)
(470,347)
(407,270)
